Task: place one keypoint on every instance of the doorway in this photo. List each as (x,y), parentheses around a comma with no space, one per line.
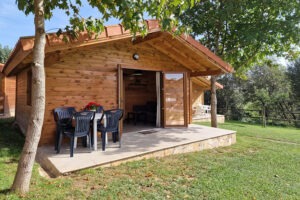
(141,92)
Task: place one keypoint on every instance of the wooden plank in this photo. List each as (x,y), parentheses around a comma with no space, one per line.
(174,99)
(148,37)
(18,55)
(206,73)
(168,51)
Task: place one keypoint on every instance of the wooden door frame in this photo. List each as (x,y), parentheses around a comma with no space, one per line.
(185,78)
(121,85)
(120,94)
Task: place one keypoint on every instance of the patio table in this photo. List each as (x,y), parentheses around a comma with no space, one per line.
(96,118)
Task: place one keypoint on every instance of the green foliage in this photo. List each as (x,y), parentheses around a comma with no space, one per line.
(244,32)
(231,99)
(293,73)
(267,87)
(130,13)
(4,53)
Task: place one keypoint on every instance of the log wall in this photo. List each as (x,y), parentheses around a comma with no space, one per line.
(7,95)
(10,96)
(22,109)
(78,76)
(197,95)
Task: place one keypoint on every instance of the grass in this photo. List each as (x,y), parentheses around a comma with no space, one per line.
(263,164)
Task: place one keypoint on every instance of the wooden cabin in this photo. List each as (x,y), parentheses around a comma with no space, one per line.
(153,72)
(7,95)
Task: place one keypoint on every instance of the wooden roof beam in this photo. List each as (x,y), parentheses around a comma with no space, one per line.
(147,38)
(214,59)
(207,73)
(174,56)
(174,53)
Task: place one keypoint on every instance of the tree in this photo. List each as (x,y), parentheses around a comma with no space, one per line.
(293,73)
(4,53)
(245,32)
(268,87)
(130,13)
(231,99)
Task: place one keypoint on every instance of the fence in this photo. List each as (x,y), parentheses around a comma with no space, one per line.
(273,117)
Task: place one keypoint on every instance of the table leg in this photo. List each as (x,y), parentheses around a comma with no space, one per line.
(95,133)
(75,142)
(104,123)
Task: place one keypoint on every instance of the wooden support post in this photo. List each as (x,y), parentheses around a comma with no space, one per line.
(213,102)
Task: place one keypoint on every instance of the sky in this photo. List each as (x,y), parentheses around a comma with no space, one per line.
(15,24)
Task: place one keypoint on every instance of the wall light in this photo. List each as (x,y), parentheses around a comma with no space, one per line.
(135,56)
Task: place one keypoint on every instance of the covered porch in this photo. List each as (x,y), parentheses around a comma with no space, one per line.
(136,145)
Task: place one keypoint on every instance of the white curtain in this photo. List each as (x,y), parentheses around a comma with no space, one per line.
(158,120)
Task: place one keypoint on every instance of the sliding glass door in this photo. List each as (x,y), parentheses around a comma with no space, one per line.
(174,96)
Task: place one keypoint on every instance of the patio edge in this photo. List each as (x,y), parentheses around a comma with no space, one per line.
(206,144)
(195,146)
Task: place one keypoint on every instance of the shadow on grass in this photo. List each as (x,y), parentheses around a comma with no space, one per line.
(5,191)
(11,140)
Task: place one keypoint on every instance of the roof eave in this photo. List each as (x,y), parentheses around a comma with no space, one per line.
(22,49)
(206,82)
(213,58)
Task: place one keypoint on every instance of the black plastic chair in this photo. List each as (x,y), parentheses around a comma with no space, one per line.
(63,118)
(100,109)
(112,125)
(82,129)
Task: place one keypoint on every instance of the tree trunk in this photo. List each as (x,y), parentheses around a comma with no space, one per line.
(22,179)
(213,102)
(264,122)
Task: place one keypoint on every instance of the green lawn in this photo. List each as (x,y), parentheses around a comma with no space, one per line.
(264,164)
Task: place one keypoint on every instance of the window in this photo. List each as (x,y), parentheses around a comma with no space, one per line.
(29,85)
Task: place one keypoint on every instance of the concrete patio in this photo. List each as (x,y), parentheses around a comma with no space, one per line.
(158,142)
